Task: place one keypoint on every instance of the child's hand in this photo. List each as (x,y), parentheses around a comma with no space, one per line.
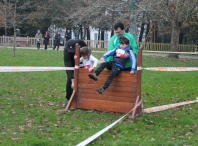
(102,59)
(75,56)
(132,72)
(90,69)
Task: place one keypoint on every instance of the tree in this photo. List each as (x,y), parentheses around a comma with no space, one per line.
(177,12)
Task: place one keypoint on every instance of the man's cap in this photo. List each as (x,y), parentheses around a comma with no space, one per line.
(71,45)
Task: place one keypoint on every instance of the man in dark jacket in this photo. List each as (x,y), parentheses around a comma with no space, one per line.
(69,61)
(68,35)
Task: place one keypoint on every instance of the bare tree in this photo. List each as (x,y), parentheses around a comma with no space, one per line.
(176,12)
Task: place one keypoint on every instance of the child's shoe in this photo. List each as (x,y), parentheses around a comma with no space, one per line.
(93,76)
(67,101)
(100,90)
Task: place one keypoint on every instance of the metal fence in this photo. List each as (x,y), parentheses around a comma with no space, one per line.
(31,42)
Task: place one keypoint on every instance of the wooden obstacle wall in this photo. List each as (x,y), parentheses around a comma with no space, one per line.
(121,96)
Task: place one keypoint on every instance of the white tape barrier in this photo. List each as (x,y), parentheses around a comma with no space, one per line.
(23,69)
(148,110)
(164,107)
(170,68)
(170,52)
(85,142)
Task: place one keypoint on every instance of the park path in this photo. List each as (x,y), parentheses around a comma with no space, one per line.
(61,48)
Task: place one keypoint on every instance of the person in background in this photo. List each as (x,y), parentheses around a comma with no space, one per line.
(46,39)
(57,40)
(38,39)
(69,61)
(18,33)
(67,36)
(115,41)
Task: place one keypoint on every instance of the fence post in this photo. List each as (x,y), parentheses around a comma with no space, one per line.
(27,41)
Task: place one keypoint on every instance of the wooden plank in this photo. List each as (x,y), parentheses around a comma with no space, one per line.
(104,105)
(77,53)
(114,83)
(111,88)
(107,72)
(104,77)
(107,92)
(107,97)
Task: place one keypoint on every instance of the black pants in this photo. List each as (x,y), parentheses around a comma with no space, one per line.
(38,45)
(69,90)
(45,46)
(56,44)
(115,70)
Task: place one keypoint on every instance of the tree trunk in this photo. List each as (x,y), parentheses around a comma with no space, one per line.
(112,32)
(133,18)
(97,46)
(14,41)
(141,32)
(174,40)
(102,35)
(147,30)
(181,36)
(88,33)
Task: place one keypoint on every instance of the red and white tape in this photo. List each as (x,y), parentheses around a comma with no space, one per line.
(169,68)
(164,107)
(22,69)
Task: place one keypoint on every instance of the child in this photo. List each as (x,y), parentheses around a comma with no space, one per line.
(117,65)
(88,60)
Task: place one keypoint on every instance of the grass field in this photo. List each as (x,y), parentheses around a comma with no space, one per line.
(30,101)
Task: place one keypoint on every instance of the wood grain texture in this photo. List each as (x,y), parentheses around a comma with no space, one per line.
(106,97)
(104,105)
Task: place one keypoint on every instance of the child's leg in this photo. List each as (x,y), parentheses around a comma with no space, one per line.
(114,71)
(103,66)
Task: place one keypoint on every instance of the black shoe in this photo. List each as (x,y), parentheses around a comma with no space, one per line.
(100,90)
(93,76)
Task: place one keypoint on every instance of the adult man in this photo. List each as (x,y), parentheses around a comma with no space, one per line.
(69,61)
(68,35)
(115,41)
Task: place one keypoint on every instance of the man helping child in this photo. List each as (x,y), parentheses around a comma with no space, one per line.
(117,64)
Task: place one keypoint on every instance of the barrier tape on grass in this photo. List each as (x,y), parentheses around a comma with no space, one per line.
(148,110)
(169,68)
(22,69)
(164,107)
(85,142)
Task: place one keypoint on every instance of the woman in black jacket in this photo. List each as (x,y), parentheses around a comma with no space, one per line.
(57,40)
(46,41)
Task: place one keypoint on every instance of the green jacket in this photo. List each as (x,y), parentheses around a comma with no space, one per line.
(115,41)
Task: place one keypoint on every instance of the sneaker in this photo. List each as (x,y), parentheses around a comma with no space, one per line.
(93,76)
(67,101)
(100,90)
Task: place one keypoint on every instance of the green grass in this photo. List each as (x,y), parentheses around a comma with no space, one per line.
(30,102)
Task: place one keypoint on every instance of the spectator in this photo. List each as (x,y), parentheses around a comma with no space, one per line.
(115,40)
(38,39)
(46,41)
(69,61)
(67,36)
(18,32)
(57,40)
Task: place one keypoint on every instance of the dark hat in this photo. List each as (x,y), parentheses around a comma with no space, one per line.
(71,45)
